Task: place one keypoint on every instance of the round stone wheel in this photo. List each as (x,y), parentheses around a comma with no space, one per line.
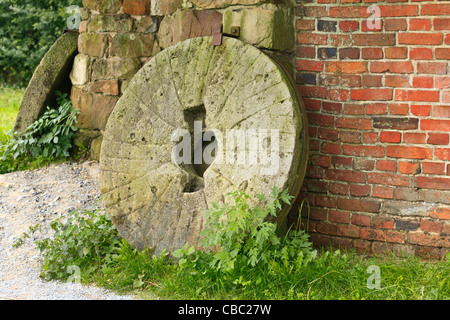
(158,204)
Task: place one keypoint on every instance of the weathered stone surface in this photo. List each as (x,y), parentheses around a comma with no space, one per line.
(95,108)
(132,45)
(93,44)
(110,87)
(136,7)
(103,6)
(170,6)
(210,4)
(110,23)
(146,24)
(188,24)
(115,68)
(265,28)
(80,70)
(52,74)
(158,204)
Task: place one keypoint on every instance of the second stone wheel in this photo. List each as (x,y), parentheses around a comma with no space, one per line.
(232,90)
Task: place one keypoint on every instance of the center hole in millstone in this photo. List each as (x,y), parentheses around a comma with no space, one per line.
(203,146)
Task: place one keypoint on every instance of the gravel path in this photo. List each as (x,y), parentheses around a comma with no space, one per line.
(32,197)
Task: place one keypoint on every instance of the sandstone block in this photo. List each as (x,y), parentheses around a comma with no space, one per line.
(80,70)
(103,6)
(132,45)
(93,44)
(115,68)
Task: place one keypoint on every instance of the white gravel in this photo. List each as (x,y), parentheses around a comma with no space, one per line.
(32,197)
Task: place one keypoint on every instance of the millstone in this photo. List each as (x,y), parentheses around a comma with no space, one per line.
(159,204)
(50,75)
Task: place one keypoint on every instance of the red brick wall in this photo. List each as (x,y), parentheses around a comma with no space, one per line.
(378,104)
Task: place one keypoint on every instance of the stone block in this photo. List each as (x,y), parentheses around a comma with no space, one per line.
(93,44)
(95,108)
(146,24)
(115,68)
(110,23)
(168,7)
(264,28)
(110,87)
(211,4)
(136,7)
(189,24)
(80,70)
(103,6)
(132,45)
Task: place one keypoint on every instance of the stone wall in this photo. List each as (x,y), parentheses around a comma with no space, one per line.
(117,37)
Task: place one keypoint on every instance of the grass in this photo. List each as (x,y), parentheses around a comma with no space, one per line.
(10,99)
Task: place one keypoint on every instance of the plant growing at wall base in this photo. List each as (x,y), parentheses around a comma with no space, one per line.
(49,137)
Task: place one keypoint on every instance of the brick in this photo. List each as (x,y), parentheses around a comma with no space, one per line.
(397,123)
(432,67)
(319,214)
(419,24)
(442,53)
(311,38)
(433,168)
(327,202)
(301,24)
(338,94)
(346,67)
(396,53)
(391,236)
(327,53)
(348,53)
(395,24)
(306,78)
(435,9)
(409,167)
(421,54)
(440,213)
(384,39)
(357,190)
(327,134)
(340,40)
(430,226)
(338,230)
(397,81)
(339,216)
(331,148)
(370,137)
(431,240)
(351,136)
(350,80)
(371,94)
(372,53)
(382,223)
(382,192)
(308,65)
(435,125)
(399,10)
(443,154)
(438,139)
(348,12)
(441,24)
(363,164)
(358,205)
(414,138)
(410,225)
(362,246)
(371,80)
(398,109)
(348,26)
(441,111)
(306,52)
(388,179)
(338,188)
(387,165)
(442,82)
(420,38)
(394,67)
(345,175)
(421,110)
(136,7)
(341,162)
(409,152)
(417,95)
(360,220)
(313,91)
(432,183)
(311,12)
(423,82)
(318,160)
(363,151)
(354,123)
(326,25)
